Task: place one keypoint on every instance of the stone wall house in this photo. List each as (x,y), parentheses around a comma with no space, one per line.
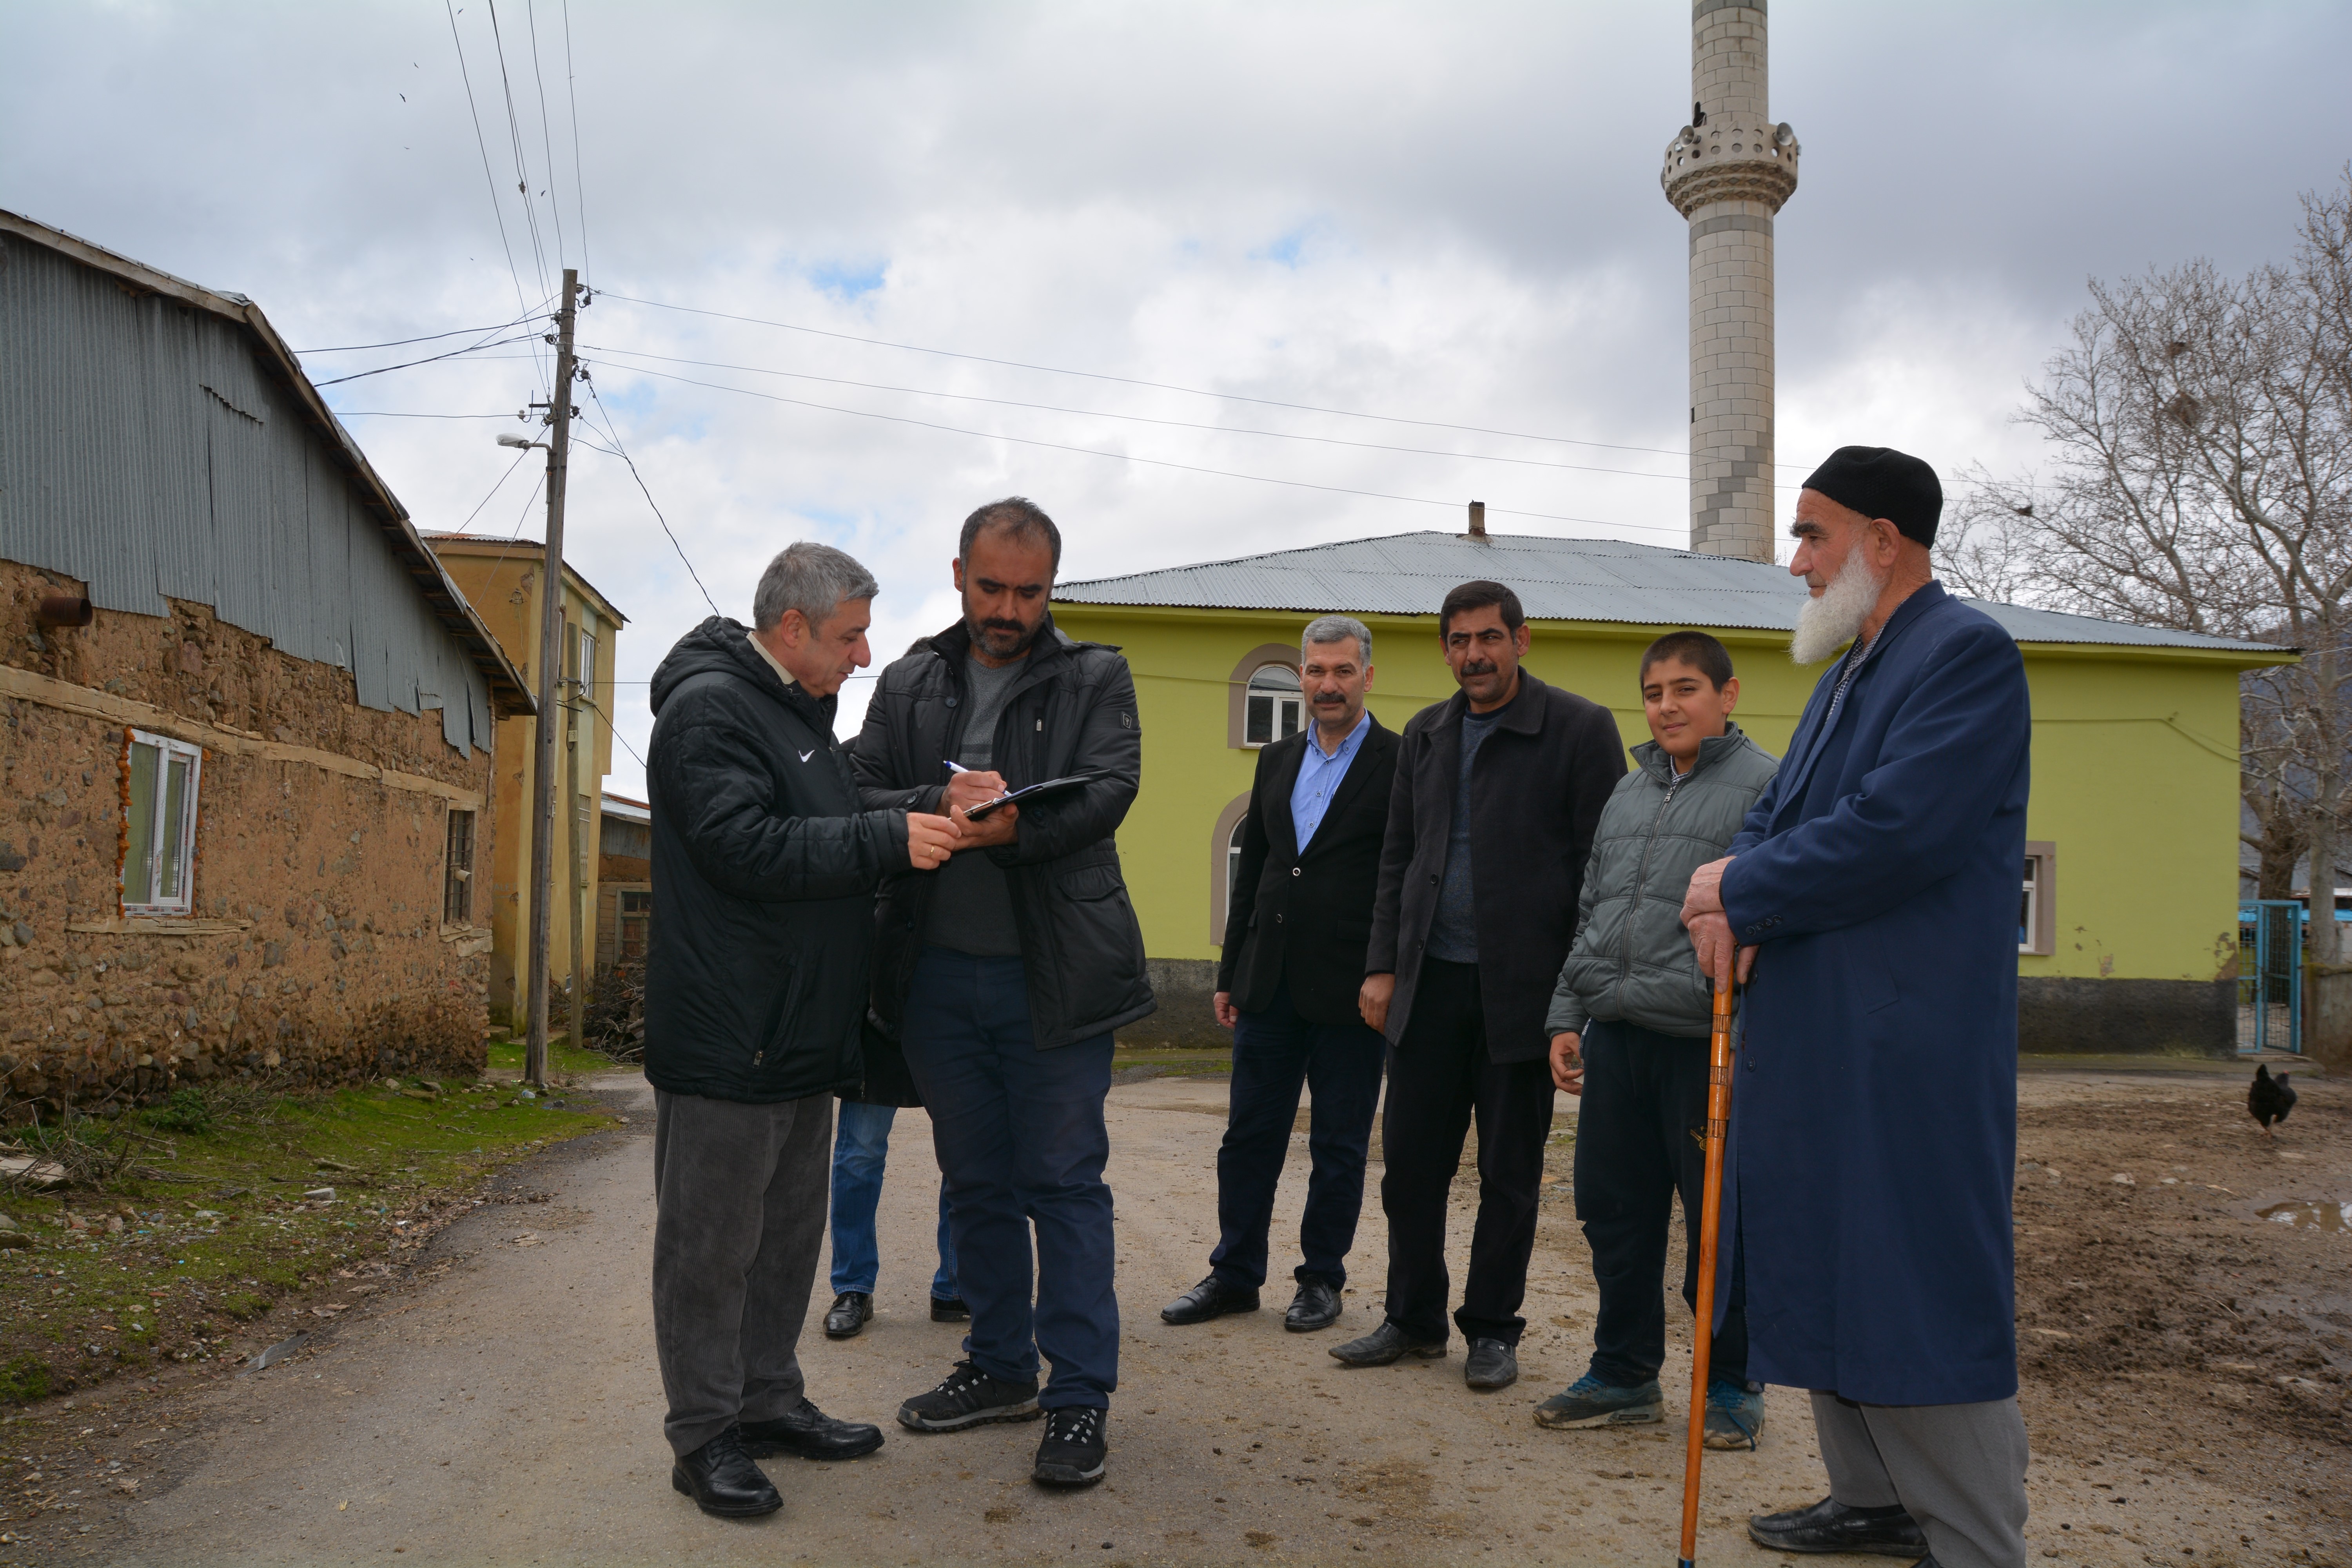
(246,719)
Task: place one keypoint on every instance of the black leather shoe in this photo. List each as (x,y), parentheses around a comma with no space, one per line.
(950,1310)
(723,1481)
(1316,1306)
(1211,1298)
(1491,1363)
(1830,1526)
(1385,1344)
(851,1311)
(809,1433)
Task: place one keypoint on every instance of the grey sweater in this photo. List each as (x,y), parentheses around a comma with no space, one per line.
(1632,961)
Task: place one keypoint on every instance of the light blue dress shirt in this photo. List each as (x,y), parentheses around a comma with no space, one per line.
(1319,776)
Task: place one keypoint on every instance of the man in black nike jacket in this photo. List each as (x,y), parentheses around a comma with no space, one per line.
(765,868)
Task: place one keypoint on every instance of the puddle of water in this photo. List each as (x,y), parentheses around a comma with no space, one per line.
(2307,1214)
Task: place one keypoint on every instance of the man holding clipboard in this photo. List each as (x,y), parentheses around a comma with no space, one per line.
(1002,975)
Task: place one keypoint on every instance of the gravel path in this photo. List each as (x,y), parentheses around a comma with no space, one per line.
(510,1412)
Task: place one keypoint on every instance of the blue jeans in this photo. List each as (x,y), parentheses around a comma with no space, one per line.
(861,1143)
(1020,1140)
(1274,1052)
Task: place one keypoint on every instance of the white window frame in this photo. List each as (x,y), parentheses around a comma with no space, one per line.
(167,749)
(584,690)
(2040,896)
(1292,697)
(457,877)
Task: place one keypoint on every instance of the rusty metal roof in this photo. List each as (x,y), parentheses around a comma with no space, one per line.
(250,386)
(1604,580)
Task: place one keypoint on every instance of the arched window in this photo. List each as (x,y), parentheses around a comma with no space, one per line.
(1276,708)
(1224,859)
(1233,855)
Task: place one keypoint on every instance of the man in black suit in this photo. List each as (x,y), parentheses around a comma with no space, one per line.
(1300,916)
(1499,790)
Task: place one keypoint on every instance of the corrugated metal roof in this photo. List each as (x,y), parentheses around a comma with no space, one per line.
(622,806)
(152,451)
(1555,580)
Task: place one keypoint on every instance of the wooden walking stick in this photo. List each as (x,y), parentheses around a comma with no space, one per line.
(1718,1122)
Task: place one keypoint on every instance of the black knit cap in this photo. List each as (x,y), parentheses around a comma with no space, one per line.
(1879,481)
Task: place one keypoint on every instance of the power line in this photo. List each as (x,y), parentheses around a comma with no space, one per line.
(571,96)
(1127,457)
(495,488)
(427,337)
(612,433)
(580,689)
(514,140)
(1155,385)
(1140,419)
(390,414)
(497,211)
(546,140)
(430,359)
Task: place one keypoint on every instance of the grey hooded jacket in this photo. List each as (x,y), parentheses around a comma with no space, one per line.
(1633,961)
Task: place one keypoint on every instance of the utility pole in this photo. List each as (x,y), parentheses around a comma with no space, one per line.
(572,905)
(551,689)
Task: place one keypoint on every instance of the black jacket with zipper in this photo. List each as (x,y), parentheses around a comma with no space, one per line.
(1307,917)
(1070,711)
(1537,788)
(764,868)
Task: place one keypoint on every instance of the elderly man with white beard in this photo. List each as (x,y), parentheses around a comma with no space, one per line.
(1872,892)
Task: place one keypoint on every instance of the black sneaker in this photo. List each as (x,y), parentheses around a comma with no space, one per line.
(970,1397)
(950,1310)
(1071,1453)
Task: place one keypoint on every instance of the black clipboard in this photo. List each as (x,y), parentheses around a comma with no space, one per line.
(1031,792)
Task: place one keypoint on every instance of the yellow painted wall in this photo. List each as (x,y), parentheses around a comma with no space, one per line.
(2135,767)
(501,579)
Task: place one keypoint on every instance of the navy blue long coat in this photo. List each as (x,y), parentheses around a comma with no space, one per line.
(1875,1114)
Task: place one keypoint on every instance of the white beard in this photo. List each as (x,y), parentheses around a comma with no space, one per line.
(1830,622)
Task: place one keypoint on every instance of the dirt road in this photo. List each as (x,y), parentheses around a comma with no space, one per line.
(506,1408)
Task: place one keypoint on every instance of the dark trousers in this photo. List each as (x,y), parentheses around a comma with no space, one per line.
(1637,1145)
(1020,1137)
(738,1215)
(1440,1081)
(1274,1052)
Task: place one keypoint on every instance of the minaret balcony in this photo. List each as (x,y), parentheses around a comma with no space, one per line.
(1728,161)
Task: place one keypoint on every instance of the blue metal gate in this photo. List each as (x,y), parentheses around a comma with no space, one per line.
(2270,975)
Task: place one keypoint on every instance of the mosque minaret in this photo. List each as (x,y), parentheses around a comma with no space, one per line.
(1729,173)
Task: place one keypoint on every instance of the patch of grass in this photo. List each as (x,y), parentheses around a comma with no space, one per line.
(212,1228)
(24,1380)
(1180,1061)
(563,1059)
(187,1111)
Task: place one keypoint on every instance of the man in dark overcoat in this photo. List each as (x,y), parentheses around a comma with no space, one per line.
(1298,920)
(1499,790)
(1874,889)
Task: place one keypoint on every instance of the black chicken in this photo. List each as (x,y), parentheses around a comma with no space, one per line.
(2268,1099)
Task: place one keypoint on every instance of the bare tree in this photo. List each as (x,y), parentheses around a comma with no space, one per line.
(2202,435)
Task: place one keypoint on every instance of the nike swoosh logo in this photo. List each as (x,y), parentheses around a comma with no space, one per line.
(807,755)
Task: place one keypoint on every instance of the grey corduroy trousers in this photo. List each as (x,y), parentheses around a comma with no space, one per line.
(1958,1470)
(740,1210)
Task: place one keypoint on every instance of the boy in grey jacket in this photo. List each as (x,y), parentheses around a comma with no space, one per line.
(1628,1022)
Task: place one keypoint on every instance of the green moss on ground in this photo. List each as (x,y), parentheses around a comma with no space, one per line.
(563,1060)
(201,1234)
(1177,1061)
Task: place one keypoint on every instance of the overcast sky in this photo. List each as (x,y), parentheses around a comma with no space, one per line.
(1441,213)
